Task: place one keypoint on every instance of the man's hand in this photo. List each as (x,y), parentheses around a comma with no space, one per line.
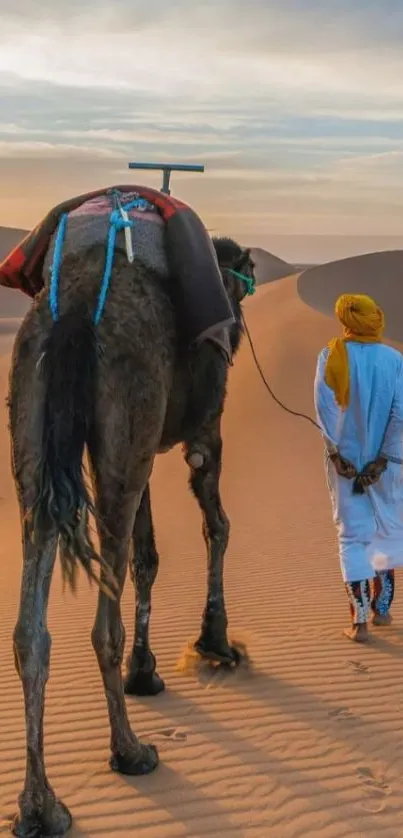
(370,475)
(343,467)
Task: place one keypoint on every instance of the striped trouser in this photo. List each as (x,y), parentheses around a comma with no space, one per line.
(361,602)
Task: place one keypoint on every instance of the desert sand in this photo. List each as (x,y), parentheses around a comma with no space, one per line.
(305,743)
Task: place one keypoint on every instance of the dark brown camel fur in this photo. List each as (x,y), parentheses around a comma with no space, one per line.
(126,390)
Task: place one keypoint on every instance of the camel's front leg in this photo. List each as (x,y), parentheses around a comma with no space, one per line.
(203,454)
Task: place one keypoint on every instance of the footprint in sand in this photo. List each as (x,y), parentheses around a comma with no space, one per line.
(359,668)
(376,789)
(171,733)
(341,714)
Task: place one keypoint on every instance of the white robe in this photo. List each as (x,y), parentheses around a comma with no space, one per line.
(369,526)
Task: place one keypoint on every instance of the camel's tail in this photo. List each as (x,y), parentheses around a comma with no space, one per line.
(68,368)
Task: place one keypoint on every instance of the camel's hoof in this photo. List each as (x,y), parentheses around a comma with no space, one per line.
(144,760)
(225,655)
(53,822)
(143,683)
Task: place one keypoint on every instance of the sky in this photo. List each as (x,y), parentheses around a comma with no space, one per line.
(295,107)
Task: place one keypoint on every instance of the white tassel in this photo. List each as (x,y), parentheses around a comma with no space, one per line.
(128,237)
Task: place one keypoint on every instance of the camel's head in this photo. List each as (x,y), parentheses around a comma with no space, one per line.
(237,271)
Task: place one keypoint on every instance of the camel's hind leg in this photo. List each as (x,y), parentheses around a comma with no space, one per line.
(41,814)
(118,492)
(142,678)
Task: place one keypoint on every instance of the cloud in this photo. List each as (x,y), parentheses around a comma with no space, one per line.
(295,107)
(50,151)
(172,47)
(230,21)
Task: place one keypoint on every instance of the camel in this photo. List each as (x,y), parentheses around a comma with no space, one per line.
(124,391)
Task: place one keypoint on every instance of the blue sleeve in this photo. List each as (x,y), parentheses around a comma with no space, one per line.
(392,443)
(327,410)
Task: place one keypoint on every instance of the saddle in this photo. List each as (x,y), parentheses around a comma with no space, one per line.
(198,292)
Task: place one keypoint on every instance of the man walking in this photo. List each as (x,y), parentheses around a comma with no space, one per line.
(359,406)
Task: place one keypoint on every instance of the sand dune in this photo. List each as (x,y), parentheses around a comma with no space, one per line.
(269,267)
(12,304)
(8,328)
(308,744)
(377,274)
(9,238)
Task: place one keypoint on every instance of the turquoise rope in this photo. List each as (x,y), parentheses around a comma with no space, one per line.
(247,280)
(55,269)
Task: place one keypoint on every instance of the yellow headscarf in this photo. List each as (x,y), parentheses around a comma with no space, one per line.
(363,322)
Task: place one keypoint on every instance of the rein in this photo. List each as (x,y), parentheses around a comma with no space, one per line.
(250,284)
(281,404)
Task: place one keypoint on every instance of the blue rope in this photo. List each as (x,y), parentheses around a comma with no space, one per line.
(138,203)
(55,269)
(116,223)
